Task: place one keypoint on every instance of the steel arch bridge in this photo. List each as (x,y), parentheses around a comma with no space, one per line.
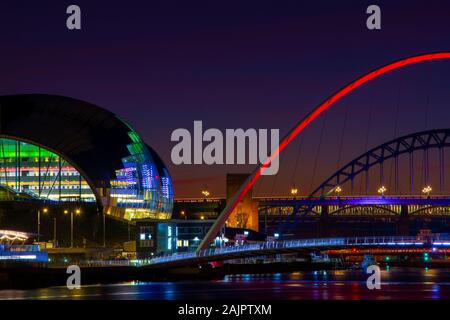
(302,124)
(374,205)
(423,141)
(323,202)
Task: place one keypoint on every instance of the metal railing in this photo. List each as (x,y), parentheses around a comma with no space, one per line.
(275,245)
(289,244)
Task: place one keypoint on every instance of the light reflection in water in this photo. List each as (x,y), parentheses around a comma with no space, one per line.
(397,283)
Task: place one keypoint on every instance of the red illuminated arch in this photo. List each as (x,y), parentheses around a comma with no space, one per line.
(251,180)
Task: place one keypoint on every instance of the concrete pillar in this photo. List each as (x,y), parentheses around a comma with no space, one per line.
(323,226)
(246,213)
(403,222)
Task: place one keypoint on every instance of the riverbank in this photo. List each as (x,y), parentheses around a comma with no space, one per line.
(396,284)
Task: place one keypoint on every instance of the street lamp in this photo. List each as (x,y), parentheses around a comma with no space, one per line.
(382,190)
(338,190)
(44,210)
(54,232)
(77,211)
(427,190)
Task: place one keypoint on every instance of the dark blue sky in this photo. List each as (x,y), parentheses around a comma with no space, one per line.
(251,64)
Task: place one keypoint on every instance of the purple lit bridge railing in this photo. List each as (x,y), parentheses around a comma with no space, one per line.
(263,248)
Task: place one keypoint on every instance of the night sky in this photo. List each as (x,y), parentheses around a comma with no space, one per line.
(237,64)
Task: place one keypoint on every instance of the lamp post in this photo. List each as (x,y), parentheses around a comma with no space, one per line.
(382,190)
(71,228)
(45,210)
(427,190)
(77,211)
(294,191)
(338,190)
(65,213)
(205,193)
(54,232)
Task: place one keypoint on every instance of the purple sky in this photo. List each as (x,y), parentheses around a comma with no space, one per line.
(249,64)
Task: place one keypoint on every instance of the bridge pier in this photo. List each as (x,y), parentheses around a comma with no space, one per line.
(323,225)
(403,221)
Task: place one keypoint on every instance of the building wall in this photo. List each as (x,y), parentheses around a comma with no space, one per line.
(155,238)
(191,232)
(160,237)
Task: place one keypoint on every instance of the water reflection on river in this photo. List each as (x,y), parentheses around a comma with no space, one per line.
(397,283)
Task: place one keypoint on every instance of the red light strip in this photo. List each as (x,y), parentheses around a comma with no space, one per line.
(302,125)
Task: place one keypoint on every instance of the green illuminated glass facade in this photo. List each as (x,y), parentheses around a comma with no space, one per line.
(140,189)
(35,172)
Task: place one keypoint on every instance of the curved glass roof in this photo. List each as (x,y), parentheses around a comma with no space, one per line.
(127,177)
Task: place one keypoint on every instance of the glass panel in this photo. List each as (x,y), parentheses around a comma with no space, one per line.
(34,172)
(138,189)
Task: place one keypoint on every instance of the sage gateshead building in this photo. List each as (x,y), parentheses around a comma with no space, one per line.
(56,149)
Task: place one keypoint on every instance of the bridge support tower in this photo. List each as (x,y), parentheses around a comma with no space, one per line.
(403,222)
